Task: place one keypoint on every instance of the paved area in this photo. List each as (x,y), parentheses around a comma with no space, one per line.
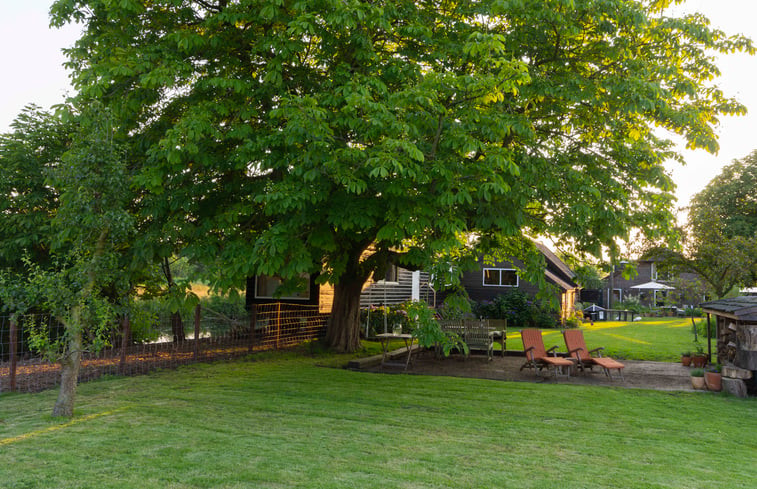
(636,374)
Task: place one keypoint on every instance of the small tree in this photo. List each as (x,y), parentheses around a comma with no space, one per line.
(90,232)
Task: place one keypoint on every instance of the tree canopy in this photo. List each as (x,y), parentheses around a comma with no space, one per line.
(282,137)
(732,199)
(720,237)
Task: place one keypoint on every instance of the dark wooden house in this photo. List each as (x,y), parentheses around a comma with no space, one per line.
(491,280)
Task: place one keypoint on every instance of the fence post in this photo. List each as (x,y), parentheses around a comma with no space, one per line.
(13,351)
(198,316)
(125,340)
(278,324)
(253,323)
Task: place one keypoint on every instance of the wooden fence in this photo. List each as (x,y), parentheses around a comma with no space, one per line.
(209,336)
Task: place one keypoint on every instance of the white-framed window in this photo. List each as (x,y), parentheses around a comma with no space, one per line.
(500,277)
(266,285)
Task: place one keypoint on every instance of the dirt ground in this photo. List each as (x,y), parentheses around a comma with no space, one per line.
(636,374)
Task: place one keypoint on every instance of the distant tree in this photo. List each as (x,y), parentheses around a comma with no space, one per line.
(28,202)
(284,138)
(731,198)
(720,238)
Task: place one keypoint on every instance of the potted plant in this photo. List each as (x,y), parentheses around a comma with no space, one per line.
(686,358)
(697,378)
(699,359)
(712,378)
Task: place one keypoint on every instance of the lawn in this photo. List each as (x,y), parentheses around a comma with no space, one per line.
(283,420)
(658,339)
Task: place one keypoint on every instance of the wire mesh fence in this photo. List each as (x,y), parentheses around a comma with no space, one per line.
(206,336)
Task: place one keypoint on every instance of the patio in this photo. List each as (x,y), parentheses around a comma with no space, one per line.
(637,374)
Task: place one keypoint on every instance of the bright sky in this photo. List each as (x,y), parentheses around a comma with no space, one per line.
(33,73)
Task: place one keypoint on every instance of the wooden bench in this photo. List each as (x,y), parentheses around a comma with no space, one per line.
(478,334)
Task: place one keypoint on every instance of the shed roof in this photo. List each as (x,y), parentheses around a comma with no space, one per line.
(743,308)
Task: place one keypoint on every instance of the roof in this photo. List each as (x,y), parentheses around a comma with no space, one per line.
(549,255)
(742,308)
(552,277)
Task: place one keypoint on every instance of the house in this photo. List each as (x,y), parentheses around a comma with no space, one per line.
(492,280)
(399,285)
(652,286)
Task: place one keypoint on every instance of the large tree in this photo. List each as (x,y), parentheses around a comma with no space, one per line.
(285,137)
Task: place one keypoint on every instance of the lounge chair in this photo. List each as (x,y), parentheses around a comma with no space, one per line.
(537,357)
(574,341)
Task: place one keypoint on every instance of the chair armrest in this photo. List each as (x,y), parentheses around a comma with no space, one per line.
(597,350)
(551,350)
(575,350)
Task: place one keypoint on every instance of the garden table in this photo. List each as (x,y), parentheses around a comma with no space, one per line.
(386,338)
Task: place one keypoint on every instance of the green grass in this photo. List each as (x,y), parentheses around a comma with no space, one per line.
(658,339)
(282,421)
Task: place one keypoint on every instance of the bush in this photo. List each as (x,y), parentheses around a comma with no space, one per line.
(520,310)
(632,304)
(692,311)
(395,315)
(573,322)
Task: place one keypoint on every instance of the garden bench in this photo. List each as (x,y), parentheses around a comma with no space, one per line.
(478,334)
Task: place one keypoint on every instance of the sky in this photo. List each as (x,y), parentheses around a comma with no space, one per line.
(33,73)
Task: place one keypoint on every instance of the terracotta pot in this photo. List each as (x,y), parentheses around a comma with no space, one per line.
(698,361)
(697,382)
(713,380)
(685,361)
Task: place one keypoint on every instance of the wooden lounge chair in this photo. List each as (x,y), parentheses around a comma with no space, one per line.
(574,341)
(537,357)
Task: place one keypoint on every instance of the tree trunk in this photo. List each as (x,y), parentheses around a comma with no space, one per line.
(343,334)
(70,365)
(177,328)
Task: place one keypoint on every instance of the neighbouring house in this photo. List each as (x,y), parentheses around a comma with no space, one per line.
(652,286)
(491,280)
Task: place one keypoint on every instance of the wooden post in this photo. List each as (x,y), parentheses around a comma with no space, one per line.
(125,340)
(709,346)
(278,324)
(253,323)
(13,351)
(198,316)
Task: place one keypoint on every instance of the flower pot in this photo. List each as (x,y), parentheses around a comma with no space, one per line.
(685,361)
(698,361)
(713,380)
(697,383)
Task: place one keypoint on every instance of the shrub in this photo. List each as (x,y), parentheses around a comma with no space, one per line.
(379,316)
(632,304)
(520,310)
(692,311)
(572,322)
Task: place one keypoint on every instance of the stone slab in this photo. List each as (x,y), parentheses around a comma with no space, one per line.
(736,372)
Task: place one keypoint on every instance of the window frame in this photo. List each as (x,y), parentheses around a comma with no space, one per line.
(500,270)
